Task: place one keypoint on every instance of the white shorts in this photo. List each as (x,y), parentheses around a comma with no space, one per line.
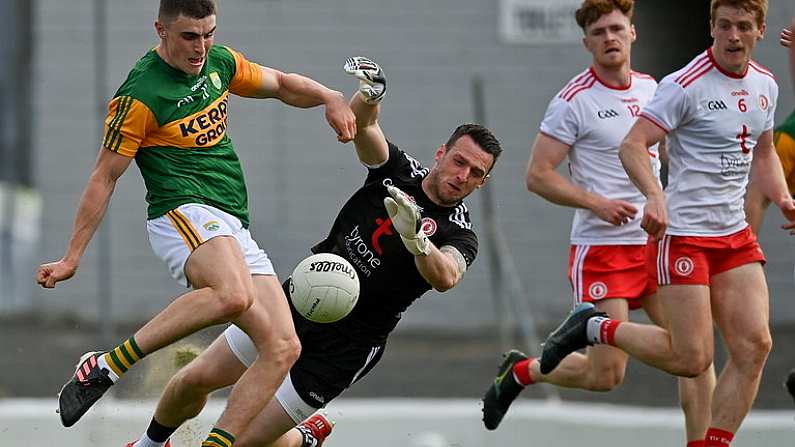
(177,233)
(288,397)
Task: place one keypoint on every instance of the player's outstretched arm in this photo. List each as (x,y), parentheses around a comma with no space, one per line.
(442,268)
(93,204)
(371,146)
(786,40)
(300,91)
(634,155)
(768,177)
(544,180)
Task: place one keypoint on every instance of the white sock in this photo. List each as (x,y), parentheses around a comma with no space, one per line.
(144,441)
(594,331)
(104,365)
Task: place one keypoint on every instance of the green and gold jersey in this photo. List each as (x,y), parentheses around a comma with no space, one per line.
(784,138)
(174,124)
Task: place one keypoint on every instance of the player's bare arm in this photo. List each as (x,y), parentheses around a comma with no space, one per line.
(93,204)
(785,37)
(634,155)
(300,91)
(544,180)
(662,149)
(756,203)
(443,268)
(371,145)
(755,206)
(768,176)
(786,40)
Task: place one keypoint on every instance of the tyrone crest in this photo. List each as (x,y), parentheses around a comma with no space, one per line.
(428,226)
(598,290)
(684,266)
(763,102)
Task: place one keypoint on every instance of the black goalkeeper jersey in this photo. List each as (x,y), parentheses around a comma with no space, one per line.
(363,234)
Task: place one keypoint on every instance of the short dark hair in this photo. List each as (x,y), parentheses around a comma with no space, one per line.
(195,9)
(481,135)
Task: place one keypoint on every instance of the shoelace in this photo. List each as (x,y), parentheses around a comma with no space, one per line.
(94,376)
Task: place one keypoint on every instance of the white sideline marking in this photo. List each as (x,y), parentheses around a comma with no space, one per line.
(401,423)
(394,408)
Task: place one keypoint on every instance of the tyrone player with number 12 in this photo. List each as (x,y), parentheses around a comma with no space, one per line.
(586,122)
(717,115)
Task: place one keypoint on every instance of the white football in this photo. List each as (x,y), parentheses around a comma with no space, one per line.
(324,288)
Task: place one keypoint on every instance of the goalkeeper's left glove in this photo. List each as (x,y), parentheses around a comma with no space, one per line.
(406,220)
(372,82)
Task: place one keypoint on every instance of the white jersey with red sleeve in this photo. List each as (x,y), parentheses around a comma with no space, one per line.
(592,118)
(713,119)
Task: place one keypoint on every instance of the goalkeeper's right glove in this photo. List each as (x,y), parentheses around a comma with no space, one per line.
(407,221)
(372,82)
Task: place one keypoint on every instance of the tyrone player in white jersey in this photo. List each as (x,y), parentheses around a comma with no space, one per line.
(586,122)
(717,114)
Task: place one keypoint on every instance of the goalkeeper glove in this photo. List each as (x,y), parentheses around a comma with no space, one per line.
(406,220)
(372,83)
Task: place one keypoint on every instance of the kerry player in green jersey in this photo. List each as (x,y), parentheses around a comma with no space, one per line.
(407,229)
(170,115)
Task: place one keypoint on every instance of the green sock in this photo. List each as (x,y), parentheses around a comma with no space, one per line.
(123,357)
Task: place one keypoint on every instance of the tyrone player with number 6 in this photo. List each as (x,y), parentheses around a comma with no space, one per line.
(586,122)
(717,115)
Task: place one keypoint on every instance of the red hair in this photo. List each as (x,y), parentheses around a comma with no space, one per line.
(591,10)
(755,7)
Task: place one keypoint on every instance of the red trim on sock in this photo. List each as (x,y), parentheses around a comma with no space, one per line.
(607,331)
(699,443)
(718,438)
(521,371)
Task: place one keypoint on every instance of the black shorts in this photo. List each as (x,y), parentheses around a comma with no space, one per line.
(329,362)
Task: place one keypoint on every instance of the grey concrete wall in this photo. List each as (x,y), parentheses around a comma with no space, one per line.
(298,175)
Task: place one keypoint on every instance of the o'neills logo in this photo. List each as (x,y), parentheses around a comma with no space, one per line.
(207,127)
(317,397)
(330,266)
(312,309)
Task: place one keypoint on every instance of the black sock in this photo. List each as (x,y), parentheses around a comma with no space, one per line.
(158,432)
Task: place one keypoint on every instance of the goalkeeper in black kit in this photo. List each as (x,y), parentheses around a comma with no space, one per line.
(406,230)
